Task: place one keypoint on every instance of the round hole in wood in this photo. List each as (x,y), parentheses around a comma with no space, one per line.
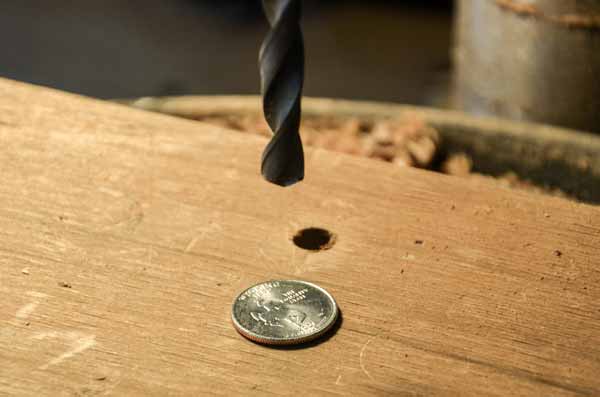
(314,239)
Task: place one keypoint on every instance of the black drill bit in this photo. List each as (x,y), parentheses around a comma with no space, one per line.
(282,77)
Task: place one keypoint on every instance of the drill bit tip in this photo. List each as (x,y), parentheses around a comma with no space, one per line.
(282,78)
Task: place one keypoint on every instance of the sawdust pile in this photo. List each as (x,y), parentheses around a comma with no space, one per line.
(408,142)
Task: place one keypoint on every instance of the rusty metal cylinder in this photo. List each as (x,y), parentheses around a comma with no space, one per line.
(536,60)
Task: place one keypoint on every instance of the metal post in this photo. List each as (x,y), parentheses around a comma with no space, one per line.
(535,60)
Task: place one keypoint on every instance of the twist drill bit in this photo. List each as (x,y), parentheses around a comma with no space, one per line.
(282,77)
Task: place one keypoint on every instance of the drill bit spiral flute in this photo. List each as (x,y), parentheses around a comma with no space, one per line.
(282,77)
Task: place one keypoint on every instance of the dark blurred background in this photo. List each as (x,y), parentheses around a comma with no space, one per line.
(380,50)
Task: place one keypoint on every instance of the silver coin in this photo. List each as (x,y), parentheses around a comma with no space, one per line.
(284,312)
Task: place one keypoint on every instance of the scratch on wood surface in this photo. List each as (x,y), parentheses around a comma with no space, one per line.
(362,356)
(338,203)
(192,243)
(79,343)
(212,227)
(337,381)
(408,257)
(26,310)
(311,263)
(110,192)
(293,257)
(124,213)
(36,294)
(270,261)
(303,266)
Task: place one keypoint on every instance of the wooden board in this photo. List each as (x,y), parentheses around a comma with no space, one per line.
(126,235)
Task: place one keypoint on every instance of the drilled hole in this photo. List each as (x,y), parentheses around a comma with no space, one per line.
(314,239)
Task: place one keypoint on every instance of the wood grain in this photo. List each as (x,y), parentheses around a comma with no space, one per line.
(126,236)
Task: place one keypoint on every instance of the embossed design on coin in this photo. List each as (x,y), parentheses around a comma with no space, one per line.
(284,312)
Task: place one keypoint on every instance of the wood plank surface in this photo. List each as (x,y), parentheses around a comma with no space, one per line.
(125,236)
